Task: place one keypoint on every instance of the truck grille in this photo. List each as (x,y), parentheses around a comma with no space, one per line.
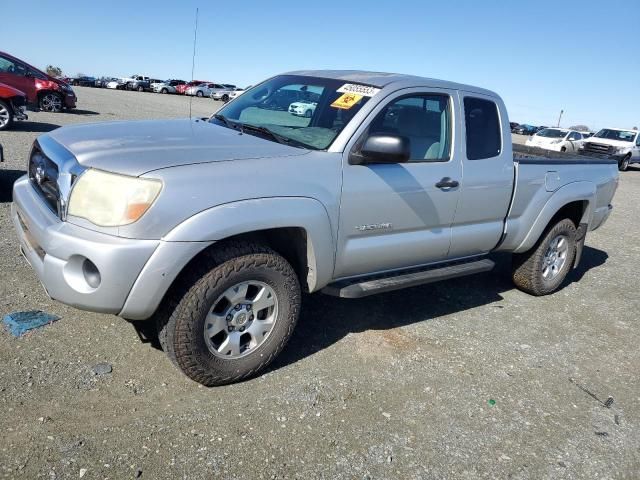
(593,147)
(43,173)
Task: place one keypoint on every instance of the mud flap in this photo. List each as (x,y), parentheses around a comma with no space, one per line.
(581,235)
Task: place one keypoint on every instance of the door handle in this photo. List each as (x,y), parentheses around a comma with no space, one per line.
(446,182)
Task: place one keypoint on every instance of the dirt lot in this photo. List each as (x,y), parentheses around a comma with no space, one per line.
(464,379)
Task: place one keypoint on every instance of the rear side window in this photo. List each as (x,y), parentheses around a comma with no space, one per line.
(483,128)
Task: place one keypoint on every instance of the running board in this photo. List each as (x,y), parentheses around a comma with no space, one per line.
(404,279)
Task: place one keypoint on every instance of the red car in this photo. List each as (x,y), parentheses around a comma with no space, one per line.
(183,88)
(43,91)
(12,106)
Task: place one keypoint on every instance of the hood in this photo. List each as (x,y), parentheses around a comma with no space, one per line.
(135,148)
(609,141)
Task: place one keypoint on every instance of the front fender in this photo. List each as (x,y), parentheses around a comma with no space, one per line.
(573,192)
(246,216)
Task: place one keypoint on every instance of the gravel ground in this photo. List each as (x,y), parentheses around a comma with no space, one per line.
(464,379)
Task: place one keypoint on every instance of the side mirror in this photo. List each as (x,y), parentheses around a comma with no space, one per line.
(380,148)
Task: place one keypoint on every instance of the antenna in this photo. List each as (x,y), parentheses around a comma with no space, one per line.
(193,60)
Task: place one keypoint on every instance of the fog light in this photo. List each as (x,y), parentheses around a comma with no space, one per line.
(91,273)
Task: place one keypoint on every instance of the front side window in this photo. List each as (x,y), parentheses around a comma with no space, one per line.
(482,128)
(303,111)
(425,120)
(575,136)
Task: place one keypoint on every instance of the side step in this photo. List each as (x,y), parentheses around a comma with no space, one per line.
(404,279)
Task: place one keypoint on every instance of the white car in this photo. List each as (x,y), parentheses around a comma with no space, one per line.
(623,144)
(115,84)
(556,139)
(225,95)
(205,89)
(303,108)
(168,86)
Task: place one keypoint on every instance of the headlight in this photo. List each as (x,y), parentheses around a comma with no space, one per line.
(111,200)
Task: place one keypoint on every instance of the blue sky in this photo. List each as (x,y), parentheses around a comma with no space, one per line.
(540,56)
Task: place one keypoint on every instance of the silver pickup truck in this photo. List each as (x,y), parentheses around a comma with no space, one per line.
(212,228)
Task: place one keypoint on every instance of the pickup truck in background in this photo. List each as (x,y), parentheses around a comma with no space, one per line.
(621,144)
(393,181)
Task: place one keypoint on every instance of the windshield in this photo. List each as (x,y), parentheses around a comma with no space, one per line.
(305,110)
(620,135)
(551,133)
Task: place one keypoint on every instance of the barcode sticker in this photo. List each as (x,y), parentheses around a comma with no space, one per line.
(364,90)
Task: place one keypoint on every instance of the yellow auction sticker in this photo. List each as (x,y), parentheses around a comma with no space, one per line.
(346,101)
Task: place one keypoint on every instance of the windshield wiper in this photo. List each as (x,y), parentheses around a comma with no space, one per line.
(223,119)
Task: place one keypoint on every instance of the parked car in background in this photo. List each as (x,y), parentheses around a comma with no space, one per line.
(539,129)
(205,89)
(525,129)
(153,82)
(224,94)
(84,81)
(303,109)
(168,86)
(513,125)
(43,91)
(13,104)
(556,139)
(619,143)
(181,89)
(117,84)
(385,201)
(237,92)
(103,81)
(138,82)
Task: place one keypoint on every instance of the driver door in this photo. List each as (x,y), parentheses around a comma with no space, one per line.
(394,215)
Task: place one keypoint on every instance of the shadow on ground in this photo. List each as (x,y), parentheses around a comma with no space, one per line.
(77,111)
(7,177)
(29,126)
(325,320)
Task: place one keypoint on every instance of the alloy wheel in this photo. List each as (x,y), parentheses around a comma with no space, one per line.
(555,257)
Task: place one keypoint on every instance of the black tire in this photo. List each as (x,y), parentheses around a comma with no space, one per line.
(563,149)
(308,114)
(140,88)
(181,318)
(164,90)
(6,116)
(623,164)
(225,98)
(199,93)
(527,268)
(51,102)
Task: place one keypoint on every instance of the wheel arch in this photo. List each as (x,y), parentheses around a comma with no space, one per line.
(297,228)
(574,201)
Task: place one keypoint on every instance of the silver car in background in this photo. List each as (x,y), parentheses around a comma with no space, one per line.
(168,86)
(205,89)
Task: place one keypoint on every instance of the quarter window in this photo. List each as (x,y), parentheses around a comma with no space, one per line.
(482,128)
(424,119)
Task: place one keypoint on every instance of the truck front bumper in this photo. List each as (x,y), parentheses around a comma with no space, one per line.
(85,269)
(91,270)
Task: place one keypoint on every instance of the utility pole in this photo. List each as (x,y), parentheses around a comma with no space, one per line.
(560,117)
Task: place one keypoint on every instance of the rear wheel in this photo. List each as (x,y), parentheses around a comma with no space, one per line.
(563,149)
(308,114)
(542,269)
(225,98)
(199,93)
(140,88)
(6,116)
(624,163)
(233,317)
(51,102)
(164,90)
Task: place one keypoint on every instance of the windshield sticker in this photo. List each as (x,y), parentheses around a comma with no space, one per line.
(346,101)
(363,90)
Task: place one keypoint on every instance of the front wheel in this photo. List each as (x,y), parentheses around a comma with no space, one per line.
(140,88)
(542,269)
(51,102)
(164,90)
(199,94)
(6,116)
(624,163)
(225,98)
(233,317)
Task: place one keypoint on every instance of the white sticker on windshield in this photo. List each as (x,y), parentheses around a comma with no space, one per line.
(364,90)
